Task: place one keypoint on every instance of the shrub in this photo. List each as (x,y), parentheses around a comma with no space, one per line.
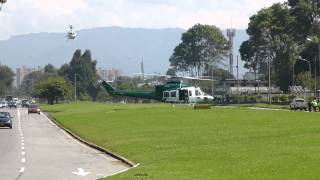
(283,98)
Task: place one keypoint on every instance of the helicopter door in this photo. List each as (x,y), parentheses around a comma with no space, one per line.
(183,95)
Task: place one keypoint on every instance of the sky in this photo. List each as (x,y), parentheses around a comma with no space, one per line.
(33,16)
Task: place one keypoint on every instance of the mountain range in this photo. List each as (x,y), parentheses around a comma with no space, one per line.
(112,47)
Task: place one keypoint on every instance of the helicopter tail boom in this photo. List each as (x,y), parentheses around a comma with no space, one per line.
(108,87)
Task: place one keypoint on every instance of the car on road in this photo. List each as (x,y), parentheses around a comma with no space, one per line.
(4,104)
(300,104)
(33,108)
(12,104)
(5,120)
(24,103)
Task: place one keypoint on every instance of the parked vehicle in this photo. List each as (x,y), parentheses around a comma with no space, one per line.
(300,104)
(4,104)
(5,120)
(33,108)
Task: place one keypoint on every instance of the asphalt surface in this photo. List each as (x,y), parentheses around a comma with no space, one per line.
(37,149)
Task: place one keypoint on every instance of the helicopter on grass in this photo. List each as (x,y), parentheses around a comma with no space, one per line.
(71,34)
(173,91)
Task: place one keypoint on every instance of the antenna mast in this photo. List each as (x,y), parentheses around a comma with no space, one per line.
(231,33)
(142,70)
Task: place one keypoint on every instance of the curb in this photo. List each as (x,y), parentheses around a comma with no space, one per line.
(99,148)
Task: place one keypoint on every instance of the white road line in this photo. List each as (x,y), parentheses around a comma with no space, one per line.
(23,153)
(22,169)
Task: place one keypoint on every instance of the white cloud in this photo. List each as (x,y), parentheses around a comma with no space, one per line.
(27,16)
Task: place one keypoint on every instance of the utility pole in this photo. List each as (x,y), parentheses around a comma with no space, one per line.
(269,67)
(293,75)
(238,81)
(319,68)
(315,77)
(212,80)
(75,87)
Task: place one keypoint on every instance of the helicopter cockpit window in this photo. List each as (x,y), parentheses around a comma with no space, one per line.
(166,94)
(173,94)
(190,93)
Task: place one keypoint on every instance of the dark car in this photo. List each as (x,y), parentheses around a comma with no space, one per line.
(25,103)
(33,108)
(12,104)
(5,120)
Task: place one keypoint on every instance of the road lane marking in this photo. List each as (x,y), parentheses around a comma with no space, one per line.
(81,172)
(23,153)
(22,169)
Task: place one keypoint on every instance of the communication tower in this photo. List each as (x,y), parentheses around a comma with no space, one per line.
(142,70)
(231,33)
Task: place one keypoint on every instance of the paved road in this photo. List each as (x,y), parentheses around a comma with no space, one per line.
(37,149)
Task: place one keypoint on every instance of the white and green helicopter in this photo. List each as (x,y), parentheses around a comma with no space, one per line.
(173,91)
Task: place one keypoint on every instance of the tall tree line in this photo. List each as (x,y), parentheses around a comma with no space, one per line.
(284,34)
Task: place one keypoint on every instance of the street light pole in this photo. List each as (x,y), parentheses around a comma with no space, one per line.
(269,67)
(75,87)
(309,71)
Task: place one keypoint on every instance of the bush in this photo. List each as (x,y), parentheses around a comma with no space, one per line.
(283,98)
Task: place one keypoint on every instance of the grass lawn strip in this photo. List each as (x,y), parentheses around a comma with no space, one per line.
(181,143)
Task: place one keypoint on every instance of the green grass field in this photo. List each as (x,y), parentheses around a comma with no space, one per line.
(181,143)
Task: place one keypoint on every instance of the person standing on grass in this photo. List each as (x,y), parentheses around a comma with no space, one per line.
(314,105)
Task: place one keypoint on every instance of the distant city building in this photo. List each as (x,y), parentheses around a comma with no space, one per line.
(22,72)
(109,74)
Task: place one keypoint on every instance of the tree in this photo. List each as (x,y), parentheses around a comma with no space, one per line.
(271,39)
(279,33)
(28,82)
(84,69)
(171,72)
(50,69)
(52,89)
(6,78)
(201,45)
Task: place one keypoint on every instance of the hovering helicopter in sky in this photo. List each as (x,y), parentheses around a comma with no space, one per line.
(1,3)
(71,34)
(173,91)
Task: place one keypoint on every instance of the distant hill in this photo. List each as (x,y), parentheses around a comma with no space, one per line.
(112,47)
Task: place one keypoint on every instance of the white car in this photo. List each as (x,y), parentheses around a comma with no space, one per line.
(300,104)
(4,104)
